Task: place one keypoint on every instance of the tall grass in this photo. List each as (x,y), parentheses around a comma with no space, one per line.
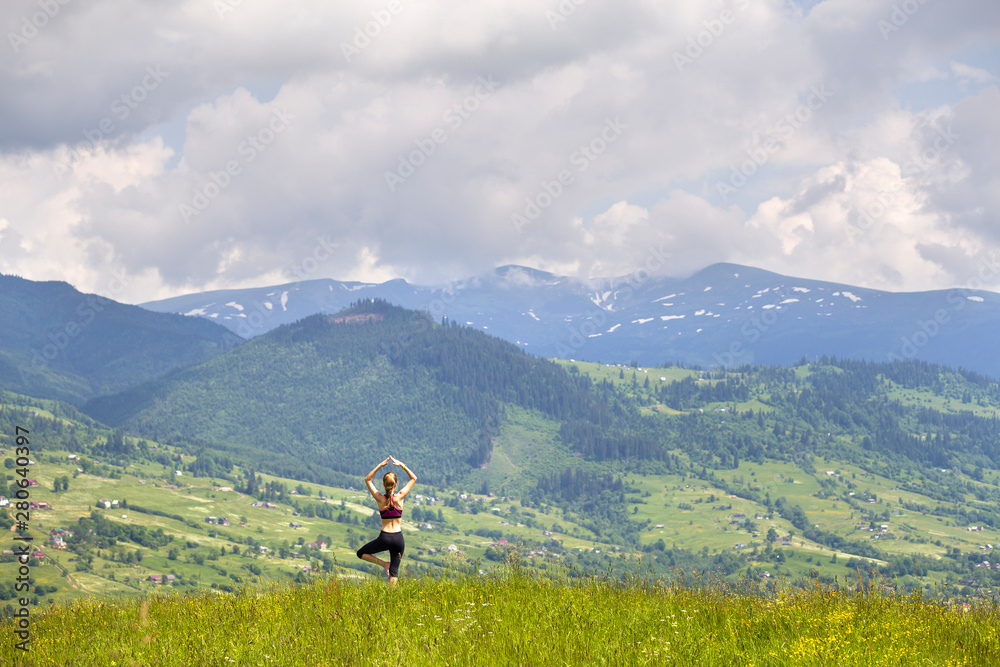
(515,619)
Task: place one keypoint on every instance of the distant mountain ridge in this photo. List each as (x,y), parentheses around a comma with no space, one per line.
(56,342)
(724,315)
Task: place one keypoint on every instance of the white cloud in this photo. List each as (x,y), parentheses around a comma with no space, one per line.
(317,188)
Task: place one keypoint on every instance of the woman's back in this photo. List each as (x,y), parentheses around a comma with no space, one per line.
(392,509)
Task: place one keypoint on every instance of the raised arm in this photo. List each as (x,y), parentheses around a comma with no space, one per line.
(368,478)
(413,478)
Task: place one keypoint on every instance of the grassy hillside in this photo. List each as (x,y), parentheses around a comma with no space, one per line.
(515,620)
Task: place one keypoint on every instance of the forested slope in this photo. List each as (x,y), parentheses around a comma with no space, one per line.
(56,342)
(333,393)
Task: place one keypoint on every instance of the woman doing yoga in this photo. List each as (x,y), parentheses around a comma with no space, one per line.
(390,507)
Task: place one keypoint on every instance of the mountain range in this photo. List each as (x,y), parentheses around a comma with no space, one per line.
(56,342)
(725,315)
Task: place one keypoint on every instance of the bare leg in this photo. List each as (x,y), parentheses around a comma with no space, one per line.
(378,561)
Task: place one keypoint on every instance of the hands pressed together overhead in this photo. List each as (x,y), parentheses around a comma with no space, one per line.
(393,460)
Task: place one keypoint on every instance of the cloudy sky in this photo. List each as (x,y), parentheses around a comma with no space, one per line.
(198,144)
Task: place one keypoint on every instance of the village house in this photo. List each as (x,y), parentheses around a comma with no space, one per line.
(295,524)
(105,503)
(3,501)
(318,544)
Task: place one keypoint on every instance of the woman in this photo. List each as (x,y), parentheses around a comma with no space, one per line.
(390,507)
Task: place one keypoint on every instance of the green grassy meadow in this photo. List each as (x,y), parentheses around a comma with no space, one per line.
(513,619)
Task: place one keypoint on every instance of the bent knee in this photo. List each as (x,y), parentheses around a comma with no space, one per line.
(360,554)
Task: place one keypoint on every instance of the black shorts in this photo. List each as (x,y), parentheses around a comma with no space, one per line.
(391,542)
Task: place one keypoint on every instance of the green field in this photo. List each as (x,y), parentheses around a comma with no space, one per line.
(514,619)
